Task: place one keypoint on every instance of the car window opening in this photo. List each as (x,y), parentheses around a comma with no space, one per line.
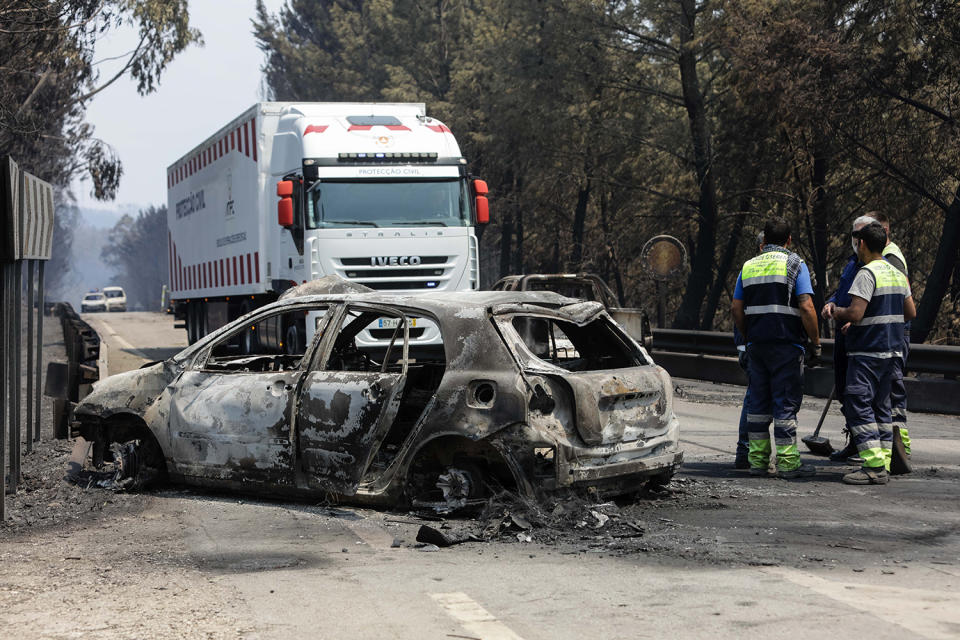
(274,343)
(425,368)
(594,346)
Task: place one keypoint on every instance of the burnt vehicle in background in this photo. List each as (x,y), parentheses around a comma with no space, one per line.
(584,286)
(531,392)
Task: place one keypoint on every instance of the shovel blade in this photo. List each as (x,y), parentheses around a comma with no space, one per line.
(818,445)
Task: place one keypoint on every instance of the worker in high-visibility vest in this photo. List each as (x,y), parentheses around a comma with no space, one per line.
(841,298)
(898,391)
(773,309)
(880,303)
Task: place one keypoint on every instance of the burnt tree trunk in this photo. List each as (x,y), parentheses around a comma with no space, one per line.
(701,264)
(579,223)
(723,269)
(520,262)
(612,259)
(939,278)
(823,211)
(506,243)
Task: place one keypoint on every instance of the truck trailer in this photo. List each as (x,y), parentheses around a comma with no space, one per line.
(375,193)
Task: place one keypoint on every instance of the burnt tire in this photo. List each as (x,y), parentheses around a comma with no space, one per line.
(138,464)
(660,480)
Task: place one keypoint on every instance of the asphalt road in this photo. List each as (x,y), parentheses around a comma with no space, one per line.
(724,555)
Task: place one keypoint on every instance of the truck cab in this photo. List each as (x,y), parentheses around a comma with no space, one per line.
(378,195)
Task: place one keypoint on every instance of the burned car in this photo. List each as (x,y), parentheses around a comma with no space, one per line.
(531,392)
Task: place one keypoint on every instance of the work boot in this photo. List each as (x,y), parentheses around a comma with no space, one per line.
(741,463)
(849,451)
(867,476)
(759,471)
(803,471)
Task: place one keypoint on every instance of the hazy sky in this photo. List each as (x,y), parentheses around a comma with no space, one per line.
(200,91)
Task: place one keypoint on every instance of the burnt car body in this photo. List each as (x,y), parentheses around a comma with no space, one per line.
(528,391)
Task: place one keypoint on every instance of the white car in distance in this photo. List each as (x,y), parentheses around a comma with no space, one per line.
(116,298)
(93,301)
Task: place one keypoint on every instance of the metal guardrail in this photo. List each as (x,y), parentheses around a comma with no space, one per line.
(711,356)
(923,358)
(67,383)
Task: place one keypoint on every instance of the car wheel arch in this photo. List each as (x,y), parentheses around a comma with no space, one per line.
(447,448)
(120,426)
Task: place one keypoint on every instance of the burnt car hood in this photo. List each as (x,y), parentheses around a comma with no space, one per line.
(128,392)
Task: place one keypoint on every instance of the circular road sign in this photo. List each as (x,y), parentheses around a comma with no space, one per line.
(664,257)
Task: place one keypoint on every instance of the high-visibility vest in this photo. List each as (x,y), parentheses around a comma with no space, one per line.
(769,300)
(893,250)
(880,332)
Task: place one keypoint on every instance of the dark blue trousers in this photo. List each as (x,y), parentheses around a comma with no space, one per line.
(743,433)
(867,408)
(775,378)
(898,395)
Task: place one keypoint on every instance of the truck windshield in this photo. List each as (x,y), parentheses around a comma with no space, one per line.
(367,203)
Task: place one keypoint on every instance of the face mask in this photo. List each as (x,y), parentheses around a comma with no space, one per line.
(855,244)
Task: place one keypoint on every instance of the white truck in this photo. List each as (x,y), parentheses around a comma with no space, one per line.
(376,193)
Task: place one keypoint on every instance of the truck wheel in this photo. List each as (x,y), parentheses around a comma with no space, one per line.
(249,341)
(293,341)
(191,318)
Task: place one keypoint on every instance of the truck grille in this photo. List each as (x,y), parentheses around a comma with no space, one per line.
(359,274)
(429,273)
(367,262)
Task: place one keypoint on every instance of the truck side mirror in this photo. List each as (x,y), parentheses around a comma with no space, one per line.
(285,206)
(482,204)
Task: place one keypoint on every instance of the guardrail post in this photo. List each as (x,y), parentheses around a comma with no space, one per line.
(16,387)
(30,353)
(4,388)
(39,361)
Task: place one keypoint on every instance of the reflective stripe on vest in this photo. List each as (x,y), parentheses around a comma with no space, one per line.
(880,331)
(893,250)
(769,300)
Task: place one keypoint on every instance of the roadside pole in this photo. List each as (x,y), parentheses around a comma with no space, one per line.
(26,234)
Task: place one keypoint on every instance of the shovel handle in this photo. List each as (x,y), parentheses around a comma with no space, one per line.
(826,408)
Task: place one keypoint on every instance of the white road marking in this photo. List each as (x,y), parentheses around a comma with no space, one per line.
(116,337)
(925,612)
(474,618)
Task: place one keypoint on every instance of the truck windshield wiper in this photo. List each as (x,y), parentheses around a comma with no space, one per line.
(427,222)
(360,222)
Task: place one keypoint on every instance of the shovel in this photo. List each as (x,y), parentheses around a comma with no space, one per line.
(820,446)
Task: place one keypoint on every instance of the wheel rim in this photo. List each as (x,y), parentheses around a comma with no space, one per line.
(292,342)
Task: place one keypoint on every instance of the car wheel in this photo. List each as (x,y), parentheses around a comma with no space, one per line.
(137,464)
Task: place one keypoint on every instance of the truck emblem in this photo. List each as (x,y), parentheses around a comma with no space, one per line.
(393,261)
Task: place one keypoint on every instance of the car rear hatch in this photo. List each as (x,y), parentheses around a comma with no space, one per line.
(618,406)
(618,394)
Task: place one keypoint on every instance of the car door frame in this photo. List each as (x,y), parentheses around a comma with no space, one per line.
(336,479)
(281,473)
